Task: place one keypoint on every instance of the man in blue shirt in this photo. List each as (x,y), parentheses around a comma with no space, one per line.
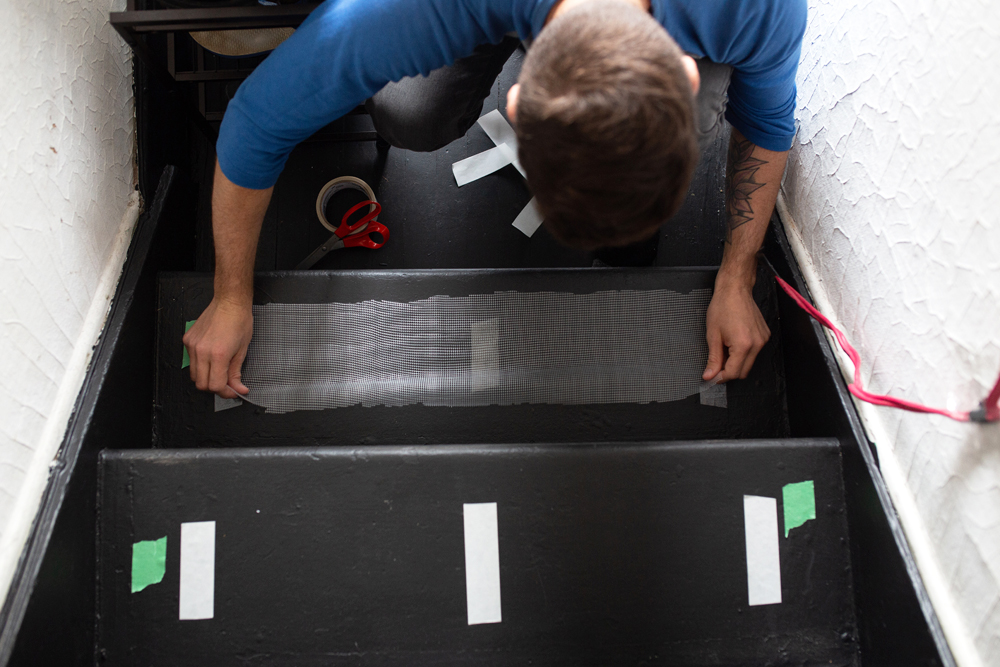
(605,112)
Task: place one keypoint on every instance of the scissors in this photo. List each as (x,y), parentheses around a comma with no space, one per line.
(357,235)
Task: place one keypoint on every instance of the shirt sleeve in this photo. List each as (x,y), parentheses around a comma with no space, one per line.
(762,89)
(345,52)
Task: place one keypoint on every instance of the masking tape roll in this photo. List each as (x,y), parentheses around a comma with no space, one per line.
(336,185)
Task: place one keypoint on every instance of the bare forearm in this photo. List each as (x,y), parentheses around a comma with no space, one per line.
(735,329)
(237,215)
(753,176)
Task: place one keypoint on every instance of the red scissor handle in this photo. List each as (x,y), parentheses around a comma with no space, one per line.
(357,235)
(363,240)
(346,229)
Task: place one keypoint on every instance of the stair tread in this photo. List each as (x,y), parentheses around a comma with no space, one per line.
(609,554)
(185,417)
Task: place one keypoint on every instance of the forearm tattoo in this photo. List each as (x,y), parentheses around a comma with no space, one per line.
(741,182)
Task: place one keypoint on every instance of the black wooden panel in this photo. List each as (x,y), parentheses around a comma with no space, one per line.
(185,417)
(609,554)
(896,623)
(112,410)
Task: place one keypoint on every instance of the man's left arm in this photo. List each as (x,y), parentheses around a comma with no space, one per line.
(735,329)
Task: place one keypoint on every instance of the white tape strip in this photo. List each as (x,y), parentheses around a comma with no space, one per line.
(529,219)
(485,358)
(505,152)
(197,595)
(482,563)
(226,403)
(511,154)
(482,164)
(760,516)
(498,129)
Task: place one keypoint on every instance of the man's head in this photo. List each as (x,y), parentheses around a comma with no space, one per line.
(604,114)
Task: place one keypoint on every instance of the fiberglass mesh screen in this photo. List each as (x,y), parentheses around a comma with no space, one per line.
(486,349)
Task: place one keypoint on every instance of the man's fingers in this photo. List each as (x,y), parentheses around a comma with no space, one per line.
(734,364)
(227,392)
(203,377)
(218,374)
(192,364)
(758,345)
(732,369)
(749,360)
(715,355)
(217,346)
(188,341)
(201,368)
(760,339)
(234,373)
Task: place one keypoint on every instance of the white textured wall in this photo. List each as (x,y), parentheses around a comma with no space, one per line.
(893,193)
(67,206)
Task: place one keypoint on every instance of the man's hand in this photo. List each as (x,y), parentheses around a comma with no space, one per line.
(735,329)
(217,345)
(736,332)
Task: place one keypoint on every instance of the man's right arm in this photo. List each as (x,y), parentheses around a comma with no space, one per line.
(217,343)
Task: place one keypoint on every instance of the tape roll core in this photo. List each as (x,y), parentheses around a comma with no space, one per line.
(334,186)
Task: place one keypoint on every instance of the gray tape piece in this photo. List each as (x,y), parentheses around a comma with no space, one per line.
(479,165)
(226,403)
(714,394)
(498,129)
(505,348)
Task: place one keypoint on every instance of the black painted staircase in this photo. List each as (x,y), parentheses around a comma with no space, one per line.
(339,533)
(620,528)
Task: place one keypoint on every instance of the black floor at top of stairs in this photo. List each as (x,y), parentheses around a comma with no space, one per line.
(186,417)
(613,554)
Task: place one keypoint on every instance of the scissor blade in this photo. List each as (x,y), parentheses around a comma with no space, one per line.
(333,243)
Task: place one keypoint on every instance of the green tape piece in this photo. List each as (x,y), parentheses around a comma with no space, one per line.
(799,501)
(186,360)
(149,563)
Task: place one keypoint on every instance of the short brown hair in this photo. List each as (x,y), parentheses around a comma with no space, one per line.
(605,125)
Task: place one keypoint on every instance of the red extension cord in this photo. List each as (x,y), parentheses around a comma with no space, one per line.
(989,410)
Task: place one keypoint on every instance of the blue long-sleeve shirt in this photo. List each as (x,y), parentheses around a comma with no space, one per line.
(347,50)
